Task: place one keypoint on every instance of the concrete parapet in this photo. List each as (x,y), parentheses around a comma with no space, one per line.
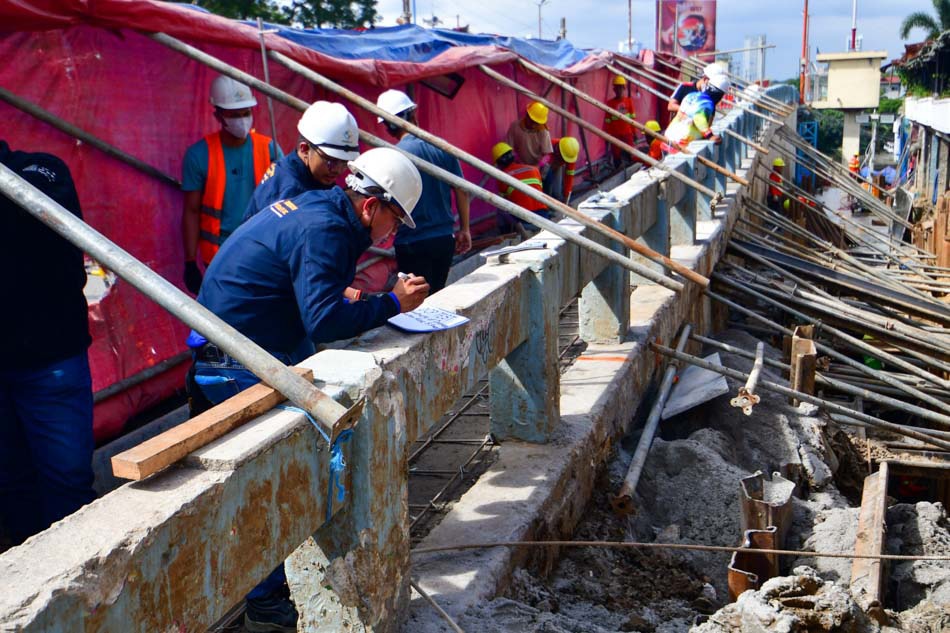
(176,551)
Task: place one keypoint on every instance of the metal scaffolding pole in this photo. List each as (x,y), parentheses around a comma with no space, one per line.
(827,405)
(601,133)
(644,157)
(663,80)
(331,416)
(883,376)
(429,168)
(842,386)
(68,128)
(622,502)
(851,342)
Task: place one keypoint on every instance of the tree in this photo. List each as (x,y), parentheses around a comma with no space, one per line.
(345,14)
(933,25)
(245,9)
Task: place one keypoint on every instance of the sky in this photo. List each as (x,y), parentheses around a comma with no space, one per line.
(602,24)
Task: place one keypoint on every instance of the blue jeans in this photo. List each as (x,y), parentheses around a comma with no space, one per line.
(217,382)
(46,444)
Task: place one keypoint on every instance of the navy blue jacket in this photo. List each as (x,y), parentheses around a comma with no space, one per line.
(50,319)
(287,178)
(279,278)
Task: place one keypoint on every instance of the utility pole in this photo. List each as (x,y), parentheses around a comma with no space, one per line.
(630,25)
(406,16)
(541,3)
(803,71)
(562,34)
(854,25)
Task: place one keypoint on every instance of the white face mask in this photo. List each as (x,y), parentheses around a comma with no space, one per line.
(239,127)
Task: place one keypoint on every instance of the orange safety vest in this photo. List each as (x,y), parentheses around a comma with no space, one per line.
(615,126)
(212,202)
(656,149)
(854,164)
(529,175)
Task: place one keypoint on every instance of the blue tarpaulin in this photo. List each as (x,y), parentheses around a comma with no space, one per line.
(414,44)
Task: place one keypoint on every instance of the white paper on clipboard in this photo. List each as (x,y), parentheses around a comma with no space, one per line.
(427,319)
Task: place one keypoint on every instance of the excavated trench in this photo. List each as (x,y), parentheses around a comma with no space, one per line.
(689,492)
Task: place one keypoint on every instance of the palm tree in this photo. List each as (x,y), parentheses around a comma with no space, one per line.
(933,25)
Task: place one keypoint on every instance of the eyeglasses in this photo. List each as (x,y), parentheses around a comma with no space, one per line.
(397,211)
(329,160)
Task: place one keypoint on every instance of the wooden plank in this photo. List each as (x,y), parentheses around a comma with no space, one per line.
(867,575)
(165,449)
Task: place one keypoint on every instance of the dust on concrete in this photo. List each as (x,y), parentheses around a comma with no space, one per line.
(689,493)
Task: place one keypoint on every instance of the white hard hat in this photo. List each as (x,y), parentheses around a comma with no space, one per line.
(716,75)
(394,102)
(332,128)
(229,94)
(387,169)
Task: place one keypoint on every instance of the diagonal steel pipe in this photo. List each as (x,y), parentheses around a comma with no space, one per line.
(861,368)
(331,416)
(840,385)
(644,157)
(437,172)
(827,405)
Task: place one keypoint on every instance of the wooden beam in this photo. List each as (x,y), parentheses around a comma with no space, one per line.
(165,449)
(867,575)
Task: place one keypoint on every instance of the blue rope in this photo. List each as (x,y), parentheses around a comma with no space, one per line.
(337,462)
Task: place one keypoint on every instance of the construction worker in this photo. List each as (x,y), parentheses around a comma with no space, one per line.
(775,198)
(559,181)
(854,164)
(530,138)
(503,156)
(656,145)
(219,175)
(46,438)
(279,280)
(427,250)
(713,81)
(329,138)
(620,128)
(693,120)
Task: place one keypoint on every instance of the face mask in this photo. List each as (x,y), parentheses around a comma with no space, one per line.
(378,232)
(239,127)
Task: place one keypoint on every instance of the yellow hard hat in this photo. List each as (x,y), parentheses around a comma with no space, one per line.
(619,81)
(653,126)
(778,162)
(569,148)
(538,112)
(499,150)
(786,204)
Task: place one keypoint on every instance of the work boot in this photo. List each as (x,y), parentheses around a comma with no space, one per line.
(275,613)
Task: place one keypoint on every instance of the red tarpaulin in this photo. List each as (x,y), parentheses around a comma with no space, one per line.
(87,63)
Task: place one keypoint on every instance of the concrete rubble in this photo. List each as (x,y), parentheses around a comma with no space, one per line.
(689,493)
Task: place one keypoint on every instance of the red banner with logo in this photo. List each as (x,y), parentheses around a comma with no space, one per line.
(685,27)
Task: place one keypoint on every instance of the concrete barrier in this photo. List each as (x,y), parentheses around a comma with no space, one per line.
(176,551)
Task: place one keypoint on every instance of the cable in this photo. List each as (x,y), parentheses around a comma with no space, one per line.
(673,546)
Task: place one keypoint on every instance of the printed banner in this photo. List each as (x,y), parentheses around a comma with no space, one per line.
(685,27)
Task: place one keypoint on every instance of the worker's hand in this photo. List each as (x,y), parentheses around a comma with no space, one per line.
(715,138)
(463,242)
(192,277)
(411,292)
